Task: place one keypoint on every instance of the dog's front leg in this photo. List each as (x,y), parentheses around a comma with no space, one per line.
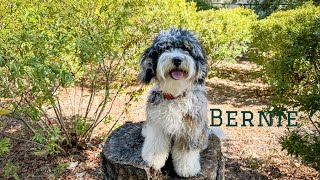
(186,161)
(156,147)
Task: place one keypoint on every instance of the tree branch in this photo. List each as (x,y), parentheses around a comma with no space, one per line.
(313,123)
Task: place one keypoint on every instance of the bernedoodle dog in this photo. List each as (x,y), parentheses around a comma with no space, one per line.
(177,104)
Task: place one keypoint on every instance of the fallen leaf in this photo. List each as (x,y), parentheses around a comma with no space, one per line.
(80,175)
(72,165)
(4,111)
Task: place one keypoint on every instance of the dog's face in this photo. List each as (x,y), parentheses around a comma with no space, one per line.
(175,60)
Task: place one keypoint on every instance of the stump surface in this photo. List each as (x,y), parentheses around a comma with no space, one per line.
(121,158)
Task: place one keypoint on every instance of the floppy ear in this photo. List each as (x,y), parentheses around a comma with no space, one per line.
(202,67)
(148,66)
(202,62)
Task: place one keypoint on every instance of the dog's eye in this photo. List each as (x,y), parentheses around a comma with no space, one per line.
(186,50)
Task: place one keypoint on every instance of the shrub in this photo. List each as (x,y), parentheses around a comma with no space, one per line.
(303,144)
(46,48)
(287,45)
(267,7)
(225,33)
(73,46)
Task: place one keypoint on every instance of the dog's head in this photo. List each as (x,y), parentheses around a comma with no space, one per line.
(175,57)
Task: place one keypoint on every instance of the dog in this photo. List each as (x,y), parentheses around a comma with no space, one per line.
(177,105)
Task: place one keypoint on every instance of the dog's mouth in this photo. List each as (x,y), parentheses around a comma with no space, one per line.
(176,74)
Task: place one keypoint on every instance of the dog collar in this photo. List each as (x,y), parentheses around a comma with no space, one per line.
(170,96)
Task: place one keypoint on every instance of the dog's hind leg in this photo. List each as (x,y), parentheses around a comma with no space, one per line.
(186,161)
(156,147)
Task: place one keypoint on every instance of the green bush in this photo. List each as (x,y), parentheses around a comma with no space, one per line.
(303,144)
(225,33)
(46,47)
(50,47)
(287,45)
(267,7)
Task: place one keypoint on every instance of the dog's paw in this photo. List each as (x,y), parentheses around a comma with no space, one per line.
(156,161)
(188,170)
(187,164)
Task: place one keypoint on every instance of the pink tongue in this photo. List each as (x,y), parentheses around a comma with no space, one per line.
(177,74)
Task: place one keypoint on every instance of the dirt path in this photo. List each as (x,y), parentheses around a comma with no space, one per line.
(251,152)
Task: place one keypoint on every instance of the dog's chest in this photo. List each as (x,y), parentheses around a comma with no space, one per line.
(170,114)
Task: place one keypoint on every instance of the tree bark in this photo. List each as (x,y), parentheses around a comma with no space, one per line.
(121,158)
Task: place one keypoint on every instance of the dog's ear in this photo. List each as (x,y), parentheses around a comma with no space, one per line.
(148,66)
(202,67)
(202,62)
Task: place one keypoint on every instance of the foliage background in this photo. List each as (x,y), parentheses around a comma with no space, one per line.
(290,54)
(47,47)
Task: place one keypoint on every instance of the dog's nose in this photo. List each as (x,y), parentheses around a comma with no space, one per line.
(176,61)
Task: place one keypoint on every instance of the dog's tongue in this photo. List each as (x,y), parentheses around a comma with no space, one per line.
(176,74)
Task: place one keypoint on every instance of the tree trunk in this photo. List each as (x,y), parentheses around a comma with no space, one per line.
(121,158)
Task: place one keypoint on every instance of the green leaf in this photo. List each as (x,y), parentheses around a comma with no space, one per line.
(4,111)
(4,146)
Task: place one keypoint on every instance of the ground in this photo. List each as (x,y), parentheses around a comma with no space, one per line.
(250,152)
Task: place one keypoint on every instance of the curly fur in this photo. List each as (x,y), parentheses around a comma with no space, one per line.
(176,125)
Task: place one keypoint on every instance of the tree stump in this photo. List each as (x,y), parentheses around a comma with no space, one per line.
(121,158)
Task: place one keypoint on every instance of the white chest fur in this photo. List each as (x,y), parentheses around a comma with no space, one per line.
(169,114)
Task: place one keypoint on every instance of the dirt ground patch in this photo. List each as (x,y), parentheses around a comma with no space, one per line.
(250,152)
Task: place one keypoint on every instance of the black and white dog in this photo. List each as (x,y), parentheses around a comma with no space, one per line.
(177,104)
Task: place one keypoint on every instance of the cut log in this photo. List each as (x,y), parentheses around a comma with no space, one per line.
(121,158)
